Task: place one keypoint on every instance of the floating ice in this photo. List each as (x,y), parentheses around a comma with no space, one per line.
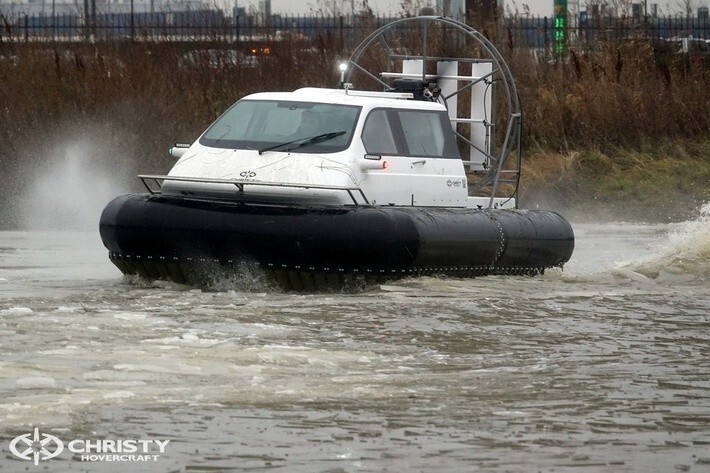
(119,395)
(16,311)
(36,382)
(67,310)
(129,316)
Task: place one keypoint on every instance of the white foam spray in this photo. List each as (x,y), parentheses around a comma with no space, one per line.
(684,252)
(70,189)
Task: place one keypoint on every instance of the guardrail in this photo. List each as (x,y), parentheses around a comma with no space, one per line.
(242,184)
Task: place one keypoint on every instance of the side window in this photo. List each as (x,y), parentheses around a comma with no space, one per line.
(377,135)
(428,134)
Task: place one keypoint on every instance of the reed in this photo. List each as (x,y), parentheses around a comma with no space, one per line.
(133,100)
(621,95)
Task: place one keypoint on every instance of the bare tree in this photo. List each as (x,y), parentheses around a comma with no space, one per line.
(687,5)
(413,7)
(616,8)
(332,8)
(621,7)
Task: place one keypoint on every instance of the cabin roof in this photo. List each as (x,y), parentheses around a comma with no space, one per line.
(342,97)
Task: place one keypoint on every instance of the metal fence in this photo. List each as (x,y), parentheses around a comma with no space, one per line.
(214,25)
(540,32)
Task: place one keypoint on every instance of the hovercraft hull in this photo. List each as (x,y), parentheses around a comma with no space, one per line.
(175,238)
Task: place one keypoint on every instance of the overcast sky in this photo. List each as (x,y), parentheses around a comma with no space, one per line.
(541,7)
(537,7)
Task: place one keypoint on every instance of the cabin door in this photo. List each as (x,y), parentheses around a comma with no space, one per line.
(423,167)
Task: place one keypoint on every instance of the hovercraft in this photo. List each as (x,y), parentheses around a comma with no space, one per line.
(319,186)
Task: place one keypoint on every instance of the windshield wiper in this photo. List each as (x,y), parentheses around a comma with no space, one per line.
(304,141)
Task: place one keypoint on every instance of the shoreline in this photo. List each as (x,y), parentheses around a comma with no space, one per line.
(669,184)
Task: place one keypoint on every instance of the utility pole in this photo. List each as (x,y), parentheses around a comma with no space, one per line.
(86,19)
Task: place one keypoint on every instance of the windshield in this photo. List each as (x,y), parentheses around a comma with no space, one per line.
(266,124)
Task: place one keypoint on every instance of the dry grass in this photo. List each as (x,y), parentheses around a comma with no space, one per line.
(139,98)
(670,183)
(622,96)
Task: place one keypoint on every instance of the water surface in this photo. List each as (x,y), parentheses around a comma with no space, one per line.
(602,367)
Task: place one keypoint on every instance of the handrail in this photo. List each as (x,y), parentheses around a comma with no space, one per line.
(241,184)
(514,121)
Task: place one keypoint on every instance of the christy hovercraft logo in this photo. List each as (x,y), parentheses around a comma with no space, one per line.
(37,447)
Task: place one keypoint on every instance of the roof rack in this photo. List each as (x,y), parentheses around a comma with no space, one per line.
(383,95)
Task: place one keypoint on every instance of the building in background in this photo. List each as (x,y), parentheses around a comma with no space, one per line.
(455,9)
(13,8)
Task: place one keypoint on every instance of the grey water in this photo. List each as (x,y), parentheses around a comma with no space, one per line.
(601,367)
